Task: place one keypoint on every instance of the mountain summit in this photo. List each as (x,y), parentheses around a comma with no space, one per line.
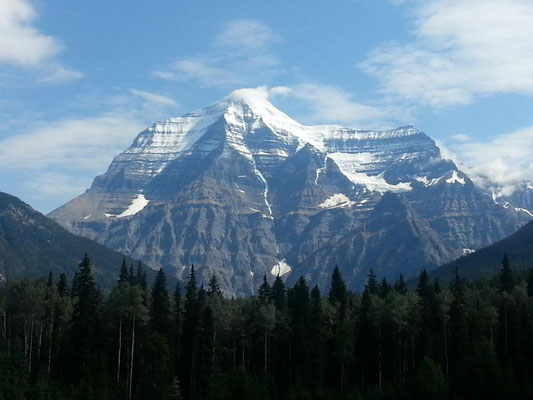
(240,189)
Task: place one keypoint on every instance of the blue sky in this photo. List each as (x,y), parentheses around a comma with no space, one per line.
(80,79)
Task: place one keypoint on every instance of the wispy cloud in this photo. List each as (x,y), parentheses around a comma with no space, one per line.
(246,35)
(59,73)
(63,155)
(87,143)
(461,49)
(504,160)
(241,54)
(154,98)
(330,104)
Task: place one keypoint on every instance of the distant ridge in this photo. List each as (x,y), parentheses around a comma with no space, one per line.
(486,262)
(31,245)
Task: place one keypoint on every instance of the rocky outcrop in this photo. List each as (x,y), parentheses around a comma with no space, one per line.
(240,189)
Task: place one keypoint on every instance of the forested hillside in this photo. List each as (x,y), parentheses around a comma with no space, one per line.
(32,244)
(64,340)
(485,262)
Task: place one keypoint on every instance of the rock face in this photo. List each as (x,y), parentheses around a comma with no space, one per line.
(240,189)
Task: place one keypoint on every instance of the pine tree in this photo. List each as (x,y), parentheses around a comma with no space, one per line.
(506,281)
(372,283)
(177,321)
(428,323)
(62,285)
(316,341)
(458,329)
(337,291)
(131,276)
(400,285)
(85,318)
(214,287)
(278,294)
(264,291)
(160,307)
(123,277)
(141,277)
(384,288)
(191,321)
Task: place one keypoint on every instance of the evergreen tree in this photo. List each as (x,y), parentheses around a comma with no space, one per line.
(191,321)
(278,294)
(131,276)
(428,322)
(62,285)
(458,330)
(506,281)
(214,286)
(264,291)
(372,283)
(141,277)
(85,320)
(338,293)
(124,276)
(384,288)
(160,306)
(400,285)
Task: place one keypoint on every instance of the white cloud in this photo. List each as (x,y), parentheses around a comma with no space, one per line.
(87,143)
(59,73)
(246,35)
(201,70)
(21,43)
(52,184)
(461,137)
(240,56)
(461,49)
(331,104)
(153,98)
(505,159)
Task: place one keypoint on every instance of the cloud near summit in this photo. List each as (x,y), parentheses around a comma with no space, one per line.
(461,50)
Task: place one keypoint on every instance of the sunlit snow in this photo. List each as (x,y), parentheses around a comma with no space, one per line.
(455,179)
(137,205)
(337,200)
(281,268)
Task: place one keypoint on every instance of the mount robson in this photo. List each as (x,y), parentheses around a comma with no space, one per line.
(240,189)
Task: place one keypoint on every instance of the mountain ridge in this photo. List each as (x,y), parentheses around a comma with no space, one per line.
(239,188)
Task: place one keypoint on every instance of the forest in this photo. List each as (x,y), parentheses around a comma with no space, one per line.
(66,340)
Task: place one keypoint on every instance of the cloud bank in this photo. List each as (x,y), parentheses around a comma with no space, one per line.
(461,49)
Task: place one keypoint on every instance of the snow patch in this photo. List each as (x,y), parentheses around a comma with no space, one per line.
(281,268)
(350,165)
(526,211)
(321,169)
(455,179)
(87,216)
(337,200)
(468,251)
(137,205)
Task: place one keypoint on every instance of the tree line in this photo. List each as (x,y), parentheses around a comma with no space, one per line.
(64,340)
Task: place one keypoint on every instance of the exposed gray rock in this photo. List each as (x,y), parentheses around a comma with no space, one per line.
(240,189)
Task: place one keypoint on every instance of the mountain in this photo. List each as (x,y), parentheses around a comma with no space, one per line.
(32,245)
(240,189)
(486,262)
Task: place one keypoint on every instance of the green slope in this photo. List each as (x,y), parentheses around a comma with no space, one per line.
(31,245)
(486,262)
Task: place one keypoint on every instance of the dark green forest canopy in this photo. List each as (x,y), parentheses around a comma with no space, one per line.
(485,262)
(62,339)
(31,245)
